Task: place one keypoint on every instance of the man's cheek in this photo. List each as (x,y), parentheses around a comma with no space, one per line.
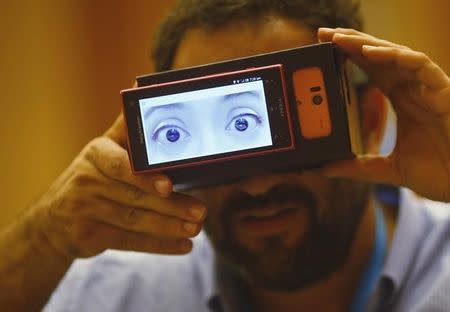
(214,227)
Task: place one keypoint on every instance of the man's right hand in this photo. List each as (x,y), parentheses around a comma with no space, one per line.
(97,203)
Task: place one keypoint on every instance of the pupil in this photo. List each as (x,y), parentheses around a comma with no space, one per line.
(172,135)
(241,124)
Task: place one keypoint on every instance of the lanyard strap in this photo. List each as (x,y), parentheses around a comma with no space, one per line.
(374,266)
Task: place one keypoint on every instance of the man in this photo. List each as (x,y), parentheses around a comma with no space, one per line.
(340,247)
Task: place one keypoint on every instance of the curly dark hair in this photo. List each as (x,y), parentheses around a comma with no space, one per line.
(215,13)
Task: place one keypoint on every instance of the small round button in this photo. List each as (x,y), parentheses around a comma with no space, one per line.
(317,99)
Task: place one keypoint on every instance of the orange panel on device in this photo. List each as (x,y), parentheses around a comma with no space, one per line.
(312,102)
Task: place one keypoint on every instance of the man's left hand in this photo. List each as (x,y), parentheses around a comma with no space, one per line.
(419,91)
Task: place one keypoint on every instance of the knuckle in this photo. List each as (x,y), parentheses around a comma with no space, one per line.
(348,31)
(133,217)
(82,233)
(134,193)
(74,206)
(342,29)
(423,56)
(397,55)
(83,180)
(116,165)
(426,61)
(404,47)
(92,149)
(395,51)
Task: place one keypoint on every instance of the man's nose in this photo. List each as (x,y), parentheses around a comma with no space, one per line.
(260,184)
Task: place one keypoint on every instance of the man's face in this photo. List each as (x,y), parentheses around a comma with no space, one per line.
(280,231)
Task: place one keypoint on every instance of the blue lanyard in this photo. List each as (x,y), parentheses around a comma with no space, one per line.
(374,266)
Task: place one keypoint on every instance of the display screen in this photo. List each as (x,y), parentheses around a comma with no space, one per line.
(206,122)
(212,118)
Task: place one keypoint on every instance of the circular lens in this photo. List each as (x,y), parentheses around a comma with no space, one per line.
(172,135)
(241,124)
(317,99)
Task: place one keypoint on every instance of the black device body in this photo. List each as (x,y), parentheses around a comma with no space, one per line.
(295,150)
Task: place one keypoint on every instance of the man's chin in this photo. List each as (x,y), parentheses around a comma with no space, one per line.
(277,268)
(298,253)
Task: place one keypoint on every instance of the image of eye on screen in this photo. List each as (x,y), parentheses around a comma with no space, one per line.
(205,122)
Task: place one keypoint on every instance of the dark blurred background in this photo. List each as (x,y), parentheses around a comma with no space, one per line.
(63,64)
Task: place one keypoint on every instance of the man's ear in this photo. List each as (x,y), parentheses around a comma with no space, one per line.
(374,111)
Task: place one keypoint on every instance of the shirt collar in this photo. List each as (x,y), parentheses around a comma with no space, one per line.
(222,290)
(221,284)
(406,241)
(231,289)
(204,259)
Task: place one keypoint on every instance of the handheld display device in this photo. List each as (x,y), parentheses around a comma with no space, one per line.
(210,124)
(209,119)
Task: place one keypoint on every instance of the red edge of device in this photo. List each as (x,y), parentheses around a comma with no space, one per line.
(221,159)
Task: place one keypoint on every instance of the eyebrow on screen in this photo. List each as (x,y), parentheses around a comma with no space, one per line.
(166,107)
(236,95)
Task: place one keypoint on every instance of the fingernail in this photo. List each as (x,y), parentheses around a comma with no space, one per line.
(162,187)
(197,212)
(325,29)
(368,47)
(190,228)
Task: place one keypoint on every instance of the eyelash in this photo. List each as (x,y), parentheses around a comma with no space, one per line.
(167,125)
(257,119)
(181,131)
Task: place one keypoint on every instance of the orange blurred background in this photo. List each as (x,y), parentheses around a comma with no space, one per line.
(63,64)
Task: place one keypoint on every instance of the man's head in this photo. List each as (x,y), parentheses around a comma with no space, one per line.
(210,15)
(279,231)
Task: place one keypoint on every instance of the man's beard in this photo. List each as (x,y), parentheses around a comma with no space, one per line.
(322,250)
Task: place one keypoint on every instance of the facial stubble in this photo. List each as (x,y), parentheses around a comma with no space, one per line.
(322,249)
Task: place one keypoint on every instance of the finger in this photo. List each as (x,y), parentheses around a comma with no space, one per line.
(377,169)
(441,102)
(114,180)
(353,43)
(135,219)
(112,160)
(326,34)
(427,72)
(93,237)
(178,205)
(118,132)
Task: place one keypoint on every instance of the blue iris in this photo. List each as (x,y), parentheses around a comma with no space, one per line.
(172,135)
(241,124)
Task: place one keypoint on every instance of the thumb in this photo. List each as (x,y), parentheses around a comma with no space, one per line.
(370,168)
(118,132)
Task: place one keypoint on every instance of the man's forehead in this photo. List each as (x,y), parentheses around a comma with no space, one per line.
(239,39)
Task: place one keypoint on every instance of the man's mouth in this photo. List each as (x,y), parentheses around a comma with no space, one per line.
(283,208)
(268,220)
(267,213)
